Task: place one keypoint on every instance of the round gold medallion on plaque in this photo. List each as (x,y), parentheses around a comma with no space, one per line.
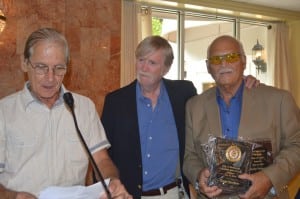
(233,153)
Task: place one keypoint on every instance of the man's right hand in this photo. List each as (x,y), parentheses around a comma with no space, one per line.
(208,191)
(10,194)
(25,195)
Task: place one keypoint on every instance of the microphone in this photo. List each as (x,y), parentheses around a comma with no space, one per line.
(68,98)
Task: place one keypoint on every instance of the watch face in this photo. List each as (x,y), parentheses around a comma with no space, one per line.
(197,185)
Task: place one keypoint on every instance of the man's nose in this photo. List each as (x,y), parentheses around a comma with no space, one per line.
(50,74)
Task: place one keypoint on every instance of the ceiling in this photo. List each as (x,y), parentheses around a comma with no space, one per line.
(263,10)
(293,5)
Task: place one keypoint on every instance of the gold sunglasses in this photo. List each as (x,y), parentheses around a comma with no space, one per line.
(229,58)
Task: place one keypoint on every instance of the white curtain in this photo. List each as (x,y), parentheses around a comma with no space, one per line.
(280,32)
(136,25)
(279,44)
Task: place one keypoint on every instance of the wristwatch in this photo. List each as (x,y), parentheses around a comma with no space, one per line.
(197,187)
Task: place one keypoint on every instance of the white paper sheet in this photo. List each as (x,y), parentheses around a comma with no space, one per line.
(75,192)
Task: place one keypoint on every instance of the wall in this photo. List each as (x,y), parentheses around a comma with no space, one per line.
(93,29)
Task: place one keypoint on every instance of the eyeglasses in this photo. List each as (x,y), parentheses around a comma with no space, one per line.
(229,58)
(42,69)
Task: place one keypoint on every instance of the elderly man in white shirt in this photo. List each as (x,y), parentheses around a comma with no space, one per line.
(39,146)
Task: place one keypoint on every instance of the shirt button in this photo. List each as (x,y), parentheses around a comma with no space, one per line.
(139,186)
(150,138)
(148,155)
(146,172)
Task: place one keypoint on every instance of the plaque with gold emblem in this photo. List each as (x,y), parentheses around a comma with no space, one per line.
(233,153)
(231,158)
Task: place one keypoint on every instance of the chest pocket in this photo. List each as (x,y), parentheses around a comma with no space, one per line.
(20,149)
(74,147)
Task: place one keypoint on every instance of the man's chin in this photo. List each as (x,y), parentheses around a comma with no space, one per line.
(146,81)
(224,82)
(48,96)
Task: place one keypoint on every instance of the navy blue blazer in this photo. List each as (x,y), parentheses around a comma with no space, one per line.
(120,121)
(298,194)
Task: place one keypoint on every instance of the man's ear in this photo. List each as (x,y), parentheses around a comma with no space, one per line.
(208,67)
(244,61)
(24,64)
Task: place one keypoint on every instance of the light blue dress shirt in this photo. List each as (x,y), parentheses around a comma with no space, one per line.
(159,140)
(231,114)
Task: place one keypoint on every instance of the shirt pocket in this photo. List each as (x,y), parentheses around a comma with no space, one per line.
(75,150)
(76,158)
(20,149)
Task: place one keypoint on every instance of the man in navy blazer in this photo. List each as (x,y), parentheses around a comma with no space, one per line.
(125,116)
(120,120)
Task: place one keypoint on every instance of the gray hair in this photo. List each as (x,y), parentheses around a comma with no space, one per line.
(153,43)
(45,34)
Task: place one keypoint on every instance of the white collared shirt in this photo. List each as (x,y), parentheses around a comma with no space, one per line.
(39,147)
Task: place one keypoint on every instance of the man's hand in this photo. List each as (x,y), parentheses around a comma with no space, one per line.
(25,195)
(210,192)
(11,194)
(117,190)
(251,81)
(260,187)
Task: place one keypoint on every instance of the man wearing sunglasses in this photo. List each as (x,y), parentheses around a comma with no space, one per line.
(231,111)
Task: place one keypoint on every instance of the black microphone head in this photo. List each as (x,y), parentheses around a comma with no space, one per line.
(68,98)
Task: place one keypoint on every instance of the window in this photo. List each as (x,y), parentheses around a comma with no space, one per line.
(190,34)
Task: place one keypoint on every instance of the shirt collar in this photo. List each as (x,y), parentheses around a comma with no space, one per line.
(140,94)
(238,94)
(28,98)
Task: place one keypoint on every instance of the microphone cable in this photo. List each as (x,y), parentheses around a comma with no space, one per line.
(68,98)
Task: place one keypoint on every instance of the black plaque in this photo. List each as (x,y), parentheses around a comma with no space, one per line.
(261,155)
(231,158)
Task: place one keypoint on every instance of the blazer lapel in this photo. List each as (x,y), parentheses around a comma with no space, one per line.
(247,113)
(213,116)
(173,100)
(131,117)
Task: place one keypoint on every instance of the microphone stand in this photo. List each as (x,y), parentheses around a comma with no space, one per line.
(70,102)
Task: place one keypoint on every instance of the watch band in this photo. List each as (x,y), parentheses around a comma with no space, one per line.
(197,187)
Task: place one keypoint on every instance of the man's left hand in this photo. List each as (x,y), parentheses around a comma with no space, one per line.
(261,185)
(251,81)
(117,190)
